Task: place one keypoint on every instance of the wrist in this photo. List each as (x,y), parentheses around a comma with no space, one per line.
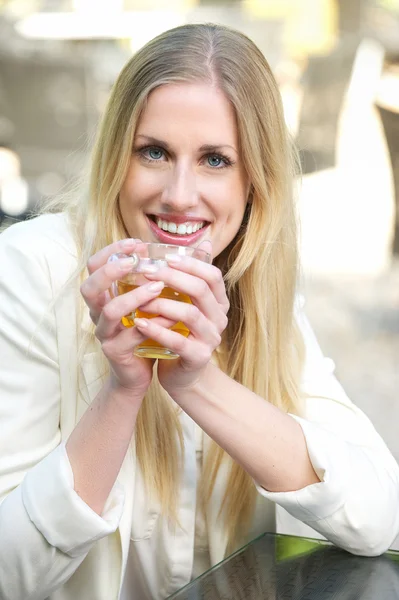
(191,387)
(123,394)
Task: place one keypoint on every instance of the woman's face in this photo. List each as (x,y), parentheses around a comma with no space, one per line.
(186,181)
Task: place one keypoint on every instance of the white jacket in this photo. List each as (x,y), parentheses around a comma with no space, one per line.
(52,545)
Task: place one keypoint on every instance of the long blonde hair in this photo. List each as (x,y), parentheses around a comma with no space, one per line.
(261,347)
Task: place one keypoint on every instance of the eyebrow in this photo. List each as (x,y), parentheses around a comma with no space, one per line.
(204,148)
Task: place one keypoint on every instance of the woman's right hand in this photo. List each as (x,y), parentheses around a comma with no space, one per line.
(118,342)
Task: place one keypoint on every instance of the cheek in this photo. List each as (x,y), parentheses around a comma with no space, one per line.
(140,185)
(230,216)
(229,194)
(234,203)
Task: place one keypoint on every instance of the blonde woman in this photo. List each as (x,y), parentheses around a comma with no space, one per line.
(121,478)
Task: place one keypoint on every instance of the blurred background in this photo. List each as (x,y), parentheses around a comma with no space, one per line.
(337,64)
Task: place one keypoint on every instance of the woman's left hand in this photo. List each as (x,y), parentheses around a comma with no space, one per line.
(206,318)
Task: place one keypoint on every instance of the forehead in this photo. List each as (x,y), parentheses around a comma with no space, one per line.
(199,111)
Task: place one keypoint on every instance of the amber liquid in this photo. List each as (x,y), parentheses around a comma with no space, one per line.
(149,348)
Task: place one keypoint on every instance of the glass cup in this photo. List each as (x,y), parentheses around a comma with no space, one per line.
(150,257)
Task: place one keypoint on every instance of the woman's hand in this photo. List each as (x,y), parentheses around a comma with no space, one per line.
(117,341)
(206,319)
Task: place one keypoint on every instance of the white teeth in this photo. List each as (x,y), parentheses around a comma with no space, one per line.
(197,226)
(172,227)
(181,229)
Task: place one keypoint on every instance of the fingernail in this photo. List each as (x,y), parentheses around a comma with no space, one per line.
(157,286)
(115,257)
(148,269)
(128,242)
(141,323)
(127,263)
(172,258)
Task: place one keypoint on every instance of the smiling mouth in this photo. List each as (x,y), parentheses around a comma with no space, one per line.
(186,228)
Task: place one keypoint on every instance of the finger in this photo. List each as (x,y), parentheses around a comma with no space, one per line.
(189,314)
(128,338)
(109,322)
(164,322)
(120,348)
(188,349)
(100,258)
(95,287)
(209,273)
(197,288)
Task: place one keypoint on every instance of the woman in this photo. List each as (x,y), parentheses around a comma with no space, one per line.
(125,479)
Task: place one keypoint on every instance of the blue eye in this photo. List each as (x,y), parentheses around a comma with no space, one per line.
(151,153)
(155,153)
(214,160)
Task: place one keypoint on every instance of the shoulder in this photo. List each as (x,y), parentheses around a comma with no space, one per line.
(43,235)
(42,248)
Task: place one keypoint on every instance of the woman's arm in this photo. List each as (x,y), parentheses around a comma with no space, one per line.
(237,419)
(329,469)
(353,501)
(98,445)
(268,443)
(47,528)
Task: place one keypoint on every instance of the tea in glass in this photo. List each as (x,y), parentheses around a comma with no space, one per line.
(153,255)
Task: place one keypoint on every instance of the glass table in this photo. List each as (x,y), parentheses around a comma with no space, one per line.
(282,567)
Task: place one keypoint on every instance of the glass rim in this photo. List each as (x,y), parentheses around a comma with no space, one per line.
(174,246)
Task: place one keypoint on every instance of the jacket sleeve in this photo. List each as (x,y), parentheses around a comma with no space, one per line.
(356,503)
(46,530)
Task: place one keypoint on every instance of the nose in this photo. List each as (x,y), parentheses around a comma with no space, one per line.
(180,193)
